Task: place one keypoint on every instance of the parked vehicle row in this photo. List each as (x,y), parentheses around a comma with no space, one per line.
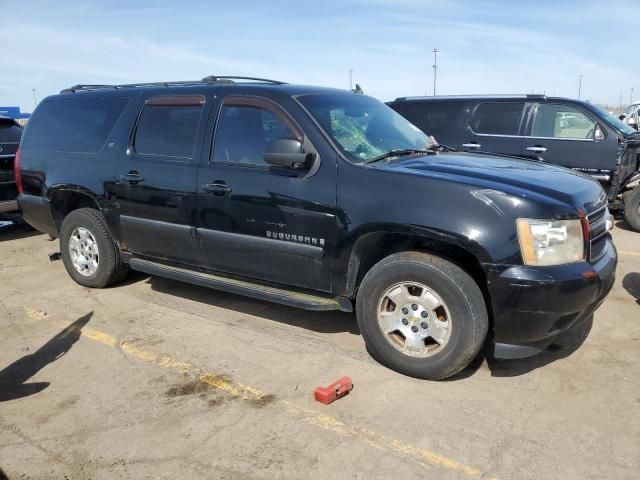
(561,131)
(10,134)
(320,199)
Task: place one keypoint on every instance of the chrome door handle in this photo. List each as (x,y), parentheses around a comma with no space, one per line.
(536,149)
(471,145)
(217,188)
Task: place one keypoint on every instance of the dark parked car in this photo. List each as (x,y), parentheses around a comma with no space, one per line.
(320,199)
(562,131)
(10,134)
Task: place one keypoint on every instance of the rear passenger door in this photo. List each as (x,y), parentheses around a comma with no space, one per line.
(156,178)
(495,127)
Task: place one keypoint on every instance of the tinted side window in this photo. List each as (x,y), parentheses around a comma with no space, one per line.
(561,121)
(433,118)
(74,125)
(167,130)
(244,131)
(497,118)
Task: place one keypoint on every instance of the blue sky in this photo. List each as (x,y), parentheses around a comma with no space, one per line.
(485,46)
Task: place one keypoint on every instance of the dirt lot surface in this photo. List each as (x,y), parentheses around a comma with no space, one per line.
(159,379)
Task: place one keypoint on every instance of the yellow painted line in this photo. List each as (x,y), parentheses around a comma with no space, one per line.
(623,252)
(311,417)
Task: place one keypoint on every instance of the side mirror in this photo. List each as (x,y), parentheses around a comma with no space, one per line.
(622,117)
(287,153)
(598,134)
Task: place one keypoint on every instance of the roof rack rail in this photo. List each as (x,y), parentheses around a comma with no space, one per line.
(215,78)
(227,79)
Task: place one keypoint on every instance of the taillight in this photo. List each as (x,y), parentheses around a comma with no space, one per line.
(16,170)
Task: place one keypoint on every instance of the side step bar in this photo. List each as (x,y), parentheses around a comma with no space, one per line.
(262,292)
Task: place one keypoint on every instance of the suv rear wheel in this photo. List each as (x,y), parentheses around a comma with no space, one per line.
(90,255)
(632,208)
(421,315)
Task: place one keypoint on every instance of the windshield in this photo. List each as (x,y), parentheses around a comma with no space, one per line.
(616,122)
(362,127)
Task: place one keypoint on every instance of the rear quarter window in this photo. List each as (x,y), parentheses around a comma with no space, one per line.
(73,124)
(433,118)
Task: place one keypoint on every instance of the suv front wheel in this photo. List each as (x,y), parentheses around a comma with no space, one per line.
(421,315)
(88,251)
(632,208)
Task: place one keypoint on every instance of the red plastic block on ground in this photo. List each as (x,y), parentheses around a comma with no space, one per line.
(334,391)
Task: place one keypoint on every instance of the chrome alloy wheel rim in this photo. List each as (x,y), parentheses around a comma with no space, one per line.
(83,250)
(414,319)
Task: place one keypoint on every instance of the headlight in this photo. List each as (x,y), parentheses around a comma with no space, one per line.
(550,242)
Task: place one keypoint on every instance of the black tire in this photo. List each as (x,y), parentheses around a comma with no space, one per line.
(632,208)
(111,269)
(456,288)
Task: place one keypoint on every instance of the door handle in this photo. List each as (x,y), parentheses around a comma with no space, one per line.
(132,177)
(217,188)
(473,145)
(537,149)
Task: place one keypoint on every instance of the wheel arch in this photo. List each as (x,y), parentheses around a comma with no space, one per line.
(64,199)
(374,246)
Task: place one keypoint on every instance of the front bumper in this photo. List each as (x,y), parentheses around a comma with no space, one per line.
(532,305)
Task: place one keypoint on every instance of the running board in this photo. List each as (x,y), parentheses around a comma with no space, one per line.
(242,287)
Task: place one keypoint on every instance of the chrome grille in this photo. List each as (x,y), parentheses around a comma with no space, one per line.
(598,228)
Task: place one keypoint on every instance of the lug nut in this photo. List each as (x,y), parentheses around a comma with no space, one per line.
(405,310)
(414,329)
(414,307)
(405,321)
(424,325)
(424,314)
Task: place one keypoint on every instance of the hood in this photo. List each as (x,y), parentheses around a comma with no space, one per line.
(510,174)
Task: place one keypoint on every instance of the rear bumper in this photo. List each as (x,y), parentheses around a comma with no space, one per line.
(532,305)
(36,211)
(9,206)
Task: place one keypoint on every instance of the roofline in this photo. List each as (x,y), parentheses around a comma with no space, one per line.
(537,96)
(209,80)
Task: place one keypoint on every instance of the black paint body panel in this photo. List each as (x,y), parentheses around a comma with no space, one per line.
(313,230)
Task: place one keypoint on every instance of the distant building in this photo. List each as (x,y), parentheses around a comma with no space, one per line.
(15,113)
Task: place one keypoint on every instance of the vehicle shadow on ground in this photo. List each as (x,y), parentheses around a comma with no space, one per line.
(322,322)
(631,283)
(623,225)
(13,377)
(13,231)
(563,345)
(3,476)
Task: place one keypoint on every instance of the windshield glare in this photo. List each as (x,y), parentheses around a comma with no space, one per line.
(362,127)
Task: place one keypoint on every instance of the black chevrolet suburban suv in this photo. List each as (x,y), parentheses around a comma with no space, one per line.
(562,131)
(10,134)
(321,199)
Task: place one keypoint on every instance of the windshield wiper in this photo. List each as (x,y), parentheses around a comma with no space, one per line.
(400,153)
(439,147)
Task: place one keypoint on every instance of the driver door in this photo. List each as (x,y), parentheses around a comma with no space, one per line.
(260,221)
(564,135)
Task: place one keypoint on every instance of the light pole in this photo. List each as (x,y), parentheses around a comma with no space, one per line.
(435,69)
(35,103)
(631,96)
(350,79)
(579,86)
